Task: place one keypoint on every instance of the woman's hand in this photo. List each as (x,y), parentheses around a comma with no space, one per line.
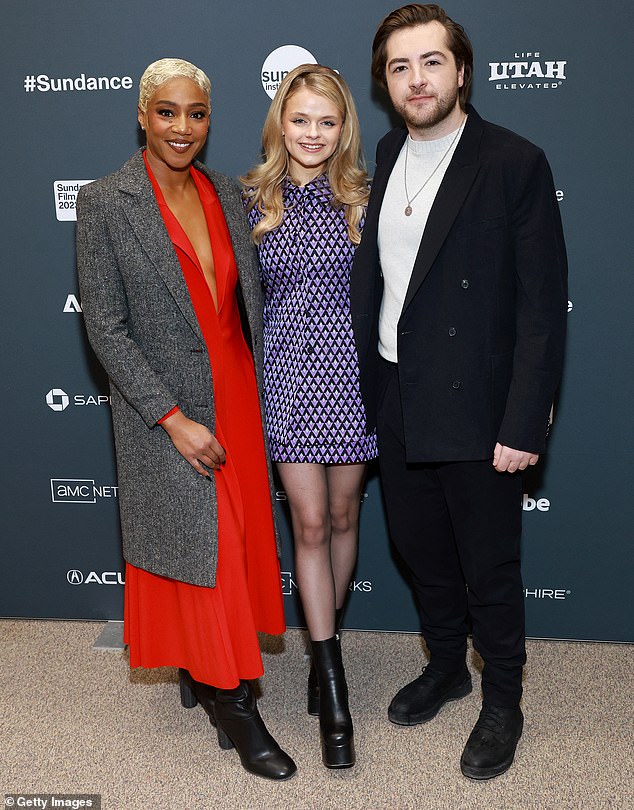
(196,443)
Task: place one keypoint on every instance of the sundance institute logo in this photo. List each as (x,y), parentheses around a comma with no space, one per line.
(280,62)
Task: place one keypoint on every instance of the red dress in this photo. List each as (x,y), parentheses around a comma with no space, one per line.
(212,632)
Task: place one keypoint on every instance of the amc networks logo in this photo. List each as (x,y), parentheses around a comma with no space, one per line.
(80,490)
(289,586)
(288,583)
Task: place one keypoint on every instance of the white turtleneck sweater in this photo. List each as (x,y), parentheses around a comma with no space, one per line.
(399,236)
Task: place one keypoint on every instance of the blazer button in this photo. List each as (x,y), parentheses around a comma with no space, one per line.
(452,332)
(309,348)
(464,283)
(456,384)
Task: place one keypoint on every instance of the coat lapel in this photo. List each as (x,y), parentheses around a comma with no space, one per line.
(379,184)
(453,190)
(144,216)
(243,249)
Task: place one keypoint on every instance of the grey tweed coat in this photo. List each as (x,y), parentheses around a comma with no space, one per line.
(142,326)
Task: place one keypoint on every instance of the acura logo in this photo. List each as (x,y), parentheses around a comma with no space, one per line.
(75,577)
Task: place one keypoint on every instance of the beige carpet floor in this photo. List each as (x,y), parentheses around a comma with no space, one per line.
(74,720)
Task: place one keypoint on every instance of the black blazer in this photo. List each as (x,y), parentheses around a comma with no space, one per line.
(482,330)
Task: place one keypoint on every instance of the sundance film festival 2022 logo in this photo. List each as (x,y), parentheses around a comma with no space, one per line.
(80,490)
(528,71)
(65,196)
(58,400)
(280,62)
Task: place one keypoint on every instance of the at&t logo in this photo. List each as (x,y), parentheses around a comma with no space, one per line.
(76,577)
(528,71)
(280,62)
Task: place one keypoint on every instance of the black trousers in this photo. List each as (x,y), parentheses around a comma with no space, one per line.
(457,526)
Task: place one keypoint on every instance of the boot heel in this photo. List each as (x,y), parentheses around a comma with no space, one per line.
(223,741)
(313,691)
(313,702)
(338,756)
(188,696)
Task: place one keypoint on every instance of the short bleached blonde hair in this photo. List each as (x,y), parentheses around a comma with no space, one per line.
(161,71)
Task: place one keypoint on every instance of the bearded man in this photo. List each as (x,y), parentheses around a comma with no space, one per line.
(459,305)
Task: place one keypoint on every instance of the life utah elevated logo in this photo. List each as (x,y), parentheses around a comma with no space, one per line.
(528,70)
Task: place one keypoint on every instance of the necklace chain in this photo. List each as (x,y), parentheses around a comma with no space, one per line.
(410,200)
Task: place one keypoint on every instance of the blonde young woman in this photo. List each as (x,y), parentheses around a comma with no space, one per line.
(306,203)
(166,269)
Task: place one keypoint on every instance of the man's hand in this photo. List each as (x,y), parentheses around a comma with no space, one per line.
(506,459)
(196,443)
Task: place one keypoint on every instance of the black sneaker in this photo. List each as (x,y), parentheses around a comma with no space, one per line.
(422,699)
(491,745)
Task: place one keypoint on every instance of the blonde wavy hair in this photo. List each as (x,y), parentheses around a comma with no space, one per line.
(162,71)
(345,167)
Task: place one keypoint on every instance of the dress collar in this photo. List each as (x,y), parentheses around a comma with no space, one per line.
(319,188)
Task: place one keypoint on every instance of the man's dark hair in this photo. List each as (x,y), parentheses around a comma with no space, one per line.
(416,14)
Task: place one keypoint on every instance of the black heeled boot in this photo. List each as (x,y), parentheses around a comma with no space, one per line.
(313,684)
(335,723)
(238,723)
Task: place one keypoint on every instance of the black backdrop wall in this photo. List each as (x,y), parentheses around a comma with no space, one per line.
(558,73)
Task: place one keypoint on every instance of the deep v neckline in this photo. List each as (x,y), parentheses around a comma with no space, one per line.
(179,237)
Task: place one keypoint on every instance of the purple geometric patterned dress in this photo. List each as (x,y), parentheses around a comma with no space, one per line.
(313,406)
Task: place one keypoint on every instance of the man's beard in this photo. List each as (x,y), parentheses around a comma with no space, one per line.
(429,116)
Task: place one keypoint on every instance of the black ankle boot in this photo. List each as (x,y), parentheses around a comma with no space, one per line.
(238,723)
(335,723)
(313,684)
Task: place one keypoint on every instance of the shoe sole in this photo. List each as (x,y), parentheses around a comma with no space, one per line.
(482,774)
(460,691)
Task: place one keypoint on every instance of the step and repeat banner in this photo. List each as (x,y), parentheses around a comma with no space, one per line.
(557,73)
